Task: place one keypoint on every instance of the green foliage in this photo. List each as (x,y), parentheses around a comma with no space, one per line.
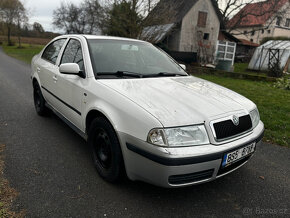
(123,21)
(266,39)
(273,105)
(283,83)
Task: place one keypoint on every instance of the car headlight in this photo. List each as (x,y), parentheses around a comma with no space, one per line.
(255,117)
(179,136)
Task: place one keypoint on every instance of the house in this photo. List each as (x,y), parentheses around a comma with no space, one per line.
(184,26)
(256,21)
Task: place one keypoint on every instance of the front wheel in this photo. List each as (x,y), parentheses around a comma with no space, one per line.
(39,101)
(106,151)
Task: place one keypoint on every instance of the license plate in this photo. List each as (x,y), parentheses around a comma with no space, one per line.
(238,154)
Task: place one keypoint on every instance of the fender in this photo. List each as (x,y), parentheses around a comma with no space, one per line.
(124,114)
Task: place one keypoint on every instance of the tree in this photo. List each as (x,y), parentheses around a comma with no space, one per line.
(123,20)
(236,8)
(126,18)
(37,27)
(95,14)
(21,19)
(82,19)
(12,13)
(229,8)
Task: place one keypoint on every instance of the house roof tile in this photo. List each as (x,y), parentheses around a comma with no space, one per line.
(256,14)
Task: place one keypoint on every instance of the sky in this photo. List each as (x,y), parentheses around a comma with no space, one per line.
(41,11)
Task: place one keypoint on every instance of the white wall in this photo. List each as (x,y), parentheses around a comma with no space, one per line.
(189,29)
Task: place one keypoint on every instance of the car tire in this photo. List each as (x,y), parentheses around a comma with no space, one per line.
(39,101)
(106,150)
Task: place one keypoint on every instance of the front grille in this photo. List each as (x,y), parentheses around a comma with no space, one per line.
(190,178)
(226,129)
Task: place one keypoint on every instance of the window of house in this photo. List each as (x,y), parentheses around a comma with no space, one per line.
(206,36)
(245,32)
(262,31)
(287,24)
(253,33)
(202,18)
(269,31)
(252,40)
(278,21)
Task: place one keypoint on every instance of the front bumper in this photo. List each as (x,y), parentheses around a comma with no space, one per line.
(183,166)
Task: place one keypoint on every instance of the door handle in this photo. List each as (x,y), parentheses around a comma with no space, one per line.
(54,78)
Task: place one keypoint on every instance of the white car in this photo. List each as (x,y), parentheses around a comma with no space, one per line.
(141,113)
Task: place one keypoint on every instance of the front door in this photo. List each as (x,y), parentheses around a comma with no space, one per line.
(70,87)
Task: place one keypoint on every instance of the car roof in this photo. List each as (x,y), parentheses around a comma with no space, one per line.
(102,37)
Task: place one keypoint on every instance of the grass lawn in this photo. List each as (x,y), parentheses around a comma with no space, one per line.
(243,68)
(25,53)
(273,105)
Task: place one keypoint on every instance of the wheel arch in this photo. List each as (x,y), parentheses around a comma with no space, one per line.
(35,79)
(91,115)
(95,113)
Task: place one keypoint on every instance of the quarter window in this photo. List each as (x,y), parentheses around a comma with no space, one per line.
(52,51)
(73,54)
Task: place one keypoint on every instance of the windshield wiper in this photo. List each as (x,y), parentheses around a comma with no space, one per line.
(163,74)
(120,74)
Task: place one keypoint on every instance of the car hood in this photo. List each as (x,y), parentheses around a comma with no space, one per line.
(178,101)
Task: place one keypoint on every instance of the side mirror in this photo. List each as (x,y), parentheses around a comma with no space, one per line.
(71,69)
(182,66)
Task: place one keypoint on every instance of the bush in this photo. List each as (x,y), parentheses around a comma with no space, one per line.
(283,83)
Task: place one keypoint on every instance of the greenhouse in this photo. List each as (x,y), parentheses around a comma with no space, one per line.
(271,53)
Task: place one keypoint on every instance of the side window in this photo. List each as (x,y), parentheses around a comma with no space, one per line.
(73,54)
(51,52)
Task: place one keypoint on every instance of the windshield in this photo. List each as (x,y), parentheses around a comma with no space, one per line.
(121,58)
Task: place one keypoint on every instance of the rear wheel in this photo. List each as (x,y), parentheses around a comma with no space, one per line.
(39,101)
(106,151)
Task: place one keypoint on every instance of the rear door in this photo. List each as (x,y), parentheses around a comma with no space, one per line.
(48,70)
